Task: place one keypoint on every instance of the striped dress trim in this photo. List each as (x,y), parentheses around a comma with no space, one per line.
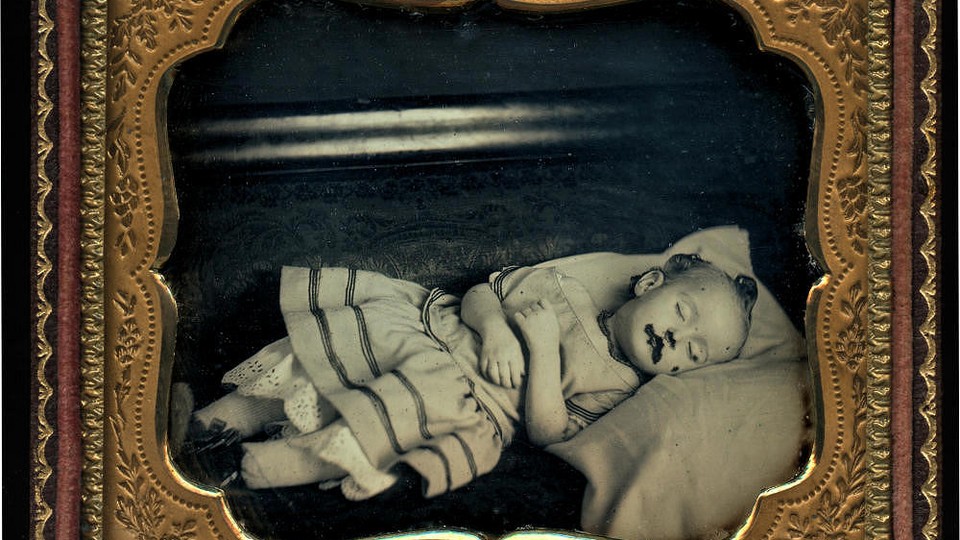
(418,403)
(323,326)
(434,297)
(468,454)
(351,287)
(501,276)
(486,410)
(381,408)
(447,473)
(365,345)
(335,326)
(586,415)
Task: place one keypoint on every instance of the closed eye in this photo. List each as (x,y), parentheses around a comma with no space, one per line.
(686,309)
(695,352)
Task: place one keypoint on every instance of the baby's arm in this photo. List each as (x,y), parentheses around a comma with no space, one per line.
(501,360)
(545,410)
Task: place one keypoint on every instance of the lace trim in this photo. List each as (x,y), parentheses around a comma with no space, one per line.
(284,380)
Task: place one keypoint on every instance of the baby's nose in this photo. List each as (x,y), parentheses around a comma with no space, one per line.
(679,335)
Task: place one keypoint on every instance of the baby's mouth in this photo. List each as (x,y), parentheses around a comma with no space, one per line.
(656,343)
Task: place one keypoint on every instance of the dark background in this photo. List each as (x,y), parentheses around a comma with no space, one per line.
(683,124)
(17,313)
(679,123)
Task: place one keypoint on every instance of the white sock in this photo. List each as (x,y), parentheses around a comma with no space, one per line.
(246,414)
(275,464)
(338,445)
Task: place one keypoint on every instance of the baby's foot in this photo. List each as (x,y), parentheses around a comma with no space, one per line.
(247,415)
(354,490)
(326,485)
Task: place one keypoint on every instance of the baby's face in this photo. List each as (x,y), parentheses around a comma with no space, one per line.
(684,324)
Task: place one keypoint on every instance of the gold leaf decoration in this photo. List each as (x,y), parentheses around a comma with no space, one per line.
(125,198)
(930,369)
(843,26)
(93,104)
(181,530)
(851,345)
(857,148)
(139,29)
(840,508)
(853,202)
(139,504)
(43,306)
(142,32)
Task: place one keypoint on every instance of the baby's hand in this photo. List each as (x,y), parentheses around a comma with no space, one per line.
(539,326)
(501,359)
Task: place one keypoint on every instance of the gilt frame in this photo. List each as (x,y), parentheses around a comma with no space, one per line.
(126,205)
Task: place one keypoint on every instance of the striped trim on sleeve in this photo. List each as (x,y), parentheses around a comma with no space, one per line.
(585,415)
(496,282)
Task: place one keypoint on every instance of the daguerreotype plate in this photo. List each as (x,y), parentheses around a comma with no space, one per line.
(438,142)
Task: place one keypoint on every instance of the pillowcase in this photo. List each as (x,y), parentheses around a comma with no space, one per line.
(687,455)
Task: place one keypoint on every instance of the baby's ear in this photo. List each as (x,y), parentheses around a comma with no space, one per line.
(647,281)
(746,290)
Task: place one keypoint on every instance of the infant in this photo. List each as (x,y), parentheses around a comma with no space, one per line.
(377,371)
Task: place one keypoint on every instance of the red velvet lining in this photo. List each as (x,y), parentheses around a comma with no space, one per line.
(69,449)
(902,253)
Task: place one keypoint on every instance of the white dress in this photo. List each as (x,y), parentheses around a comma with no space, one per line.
(398,364)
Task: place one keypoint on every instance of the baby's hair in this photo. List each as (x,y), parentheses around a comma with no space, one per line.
(681,264)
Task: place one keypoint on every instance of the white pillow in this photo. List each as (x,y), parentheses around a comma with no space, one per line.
(688,454)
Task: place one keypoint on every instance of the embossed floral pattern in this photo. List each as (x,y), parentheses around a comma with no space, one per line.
(139,505)
(125,199)
(851,340)
(853,203)
(129,337)
(843,23)
(138,29)
(843,26)
(840,509)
